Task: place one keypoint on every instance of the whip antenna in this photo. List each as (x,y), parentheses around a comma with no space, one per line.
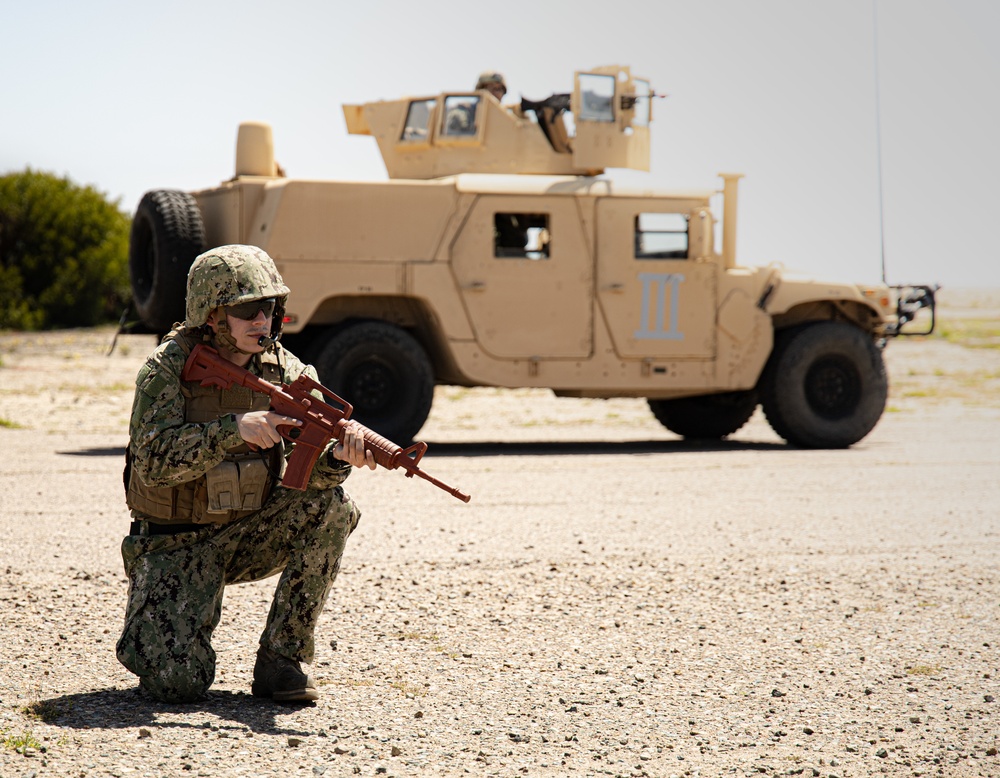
(878,136)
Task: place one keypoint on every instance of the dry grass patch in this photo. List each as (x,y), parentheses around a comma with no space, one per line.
(21,742)
(971,332)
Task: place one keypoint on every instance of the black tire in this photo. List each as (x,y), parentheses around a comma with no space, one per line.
(824,386)
(709,417)
(384,373)
(167,234)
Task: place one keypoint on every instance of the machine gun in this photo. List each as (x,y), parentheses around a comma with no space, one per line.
(548,113)
(321,422)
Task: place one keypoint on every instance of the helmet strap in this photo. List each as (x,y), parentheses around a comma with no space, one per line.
(223,337)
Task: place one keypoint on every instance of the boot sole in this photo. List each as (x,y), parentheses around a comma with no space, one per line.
(306,694)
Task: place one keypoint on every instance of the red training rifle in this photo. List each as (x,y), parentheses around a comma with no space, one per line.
(321,422)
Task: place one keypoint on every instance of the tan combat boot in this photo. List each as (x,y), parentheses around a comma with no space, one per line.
(281,679)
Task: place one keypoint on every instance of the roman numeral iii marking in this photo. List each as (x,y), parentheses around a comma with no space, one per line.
(654,300)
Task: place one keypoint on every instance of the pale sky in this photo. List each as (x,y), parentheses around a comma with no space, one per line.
(132,96)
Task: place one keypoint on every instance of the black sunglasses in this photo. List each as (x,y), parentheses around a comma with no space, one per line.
(248,311)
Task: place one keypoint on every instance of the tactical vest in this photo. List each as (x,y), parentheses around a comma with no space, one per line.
(237,486)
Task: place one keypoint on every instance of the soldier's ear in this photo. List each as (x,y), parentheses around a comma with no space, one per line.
(213,319)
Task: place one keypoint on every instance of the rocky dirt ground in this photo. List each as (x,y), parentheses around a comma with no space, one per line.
(613,601)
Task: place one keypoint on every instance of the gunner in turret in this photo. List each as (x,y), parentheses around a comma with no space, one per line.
(461,115)
(493,83)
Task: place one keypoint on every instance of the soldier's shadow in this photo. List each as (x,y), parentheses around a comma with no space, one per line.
(235,712)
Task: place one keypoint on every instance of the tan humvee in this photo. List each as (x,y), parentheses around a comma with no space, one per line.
(497,255)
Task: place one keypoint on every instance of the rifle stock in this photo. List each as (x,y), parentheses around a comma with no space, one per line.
(321,422)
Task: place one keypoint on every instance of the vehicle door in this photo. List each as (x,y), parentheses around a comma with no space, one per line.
(526,275)
(657,297)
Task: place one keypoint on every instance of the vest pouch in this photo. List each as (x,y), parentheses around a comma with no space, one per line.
(158,502)
(239,484)
(223,485)
(254,483)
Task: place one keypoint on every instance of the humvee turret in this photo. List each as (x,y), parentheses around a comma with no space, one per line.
(497,254)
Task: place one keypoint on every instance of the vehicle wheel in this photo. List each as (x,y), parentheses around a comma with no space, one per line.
(384,373)
(824,385)
(709,417)
(167,234)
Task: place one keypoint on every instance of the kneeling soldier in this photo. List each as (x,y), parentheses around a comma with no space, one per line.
(202,480)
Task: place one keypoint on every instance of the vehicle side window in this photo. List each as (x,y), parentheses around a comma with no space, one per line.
(661,236)
(521,235)
(418,120)
(460,115)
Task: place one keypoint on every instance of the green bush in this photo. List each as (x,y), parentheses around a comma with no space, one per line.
(63,254)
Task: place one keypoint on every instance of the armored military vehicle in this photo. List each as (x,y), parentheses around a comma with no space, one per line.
(497,254)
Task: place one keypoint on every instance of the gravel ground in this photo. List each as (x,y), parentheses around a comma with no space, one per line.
(613,601)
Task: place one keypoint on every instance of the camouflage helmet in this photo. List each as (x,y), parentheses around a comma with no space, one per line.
(491,77)
(229,275)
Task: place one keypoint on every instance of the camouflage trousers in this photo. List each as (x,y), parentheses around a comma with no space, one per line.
(176,585)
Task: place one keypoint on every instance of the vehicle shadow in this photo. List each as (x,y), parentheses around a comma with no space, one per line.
(544,448)
(128,708)
(592,447)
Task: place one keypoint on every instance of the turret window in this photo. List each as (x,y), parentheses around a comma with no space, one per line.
(460,115)
(597,98)
(418,120)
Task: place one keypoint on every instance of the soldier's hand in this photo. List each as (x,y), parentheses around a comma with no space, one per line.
(260,428)
(351,447)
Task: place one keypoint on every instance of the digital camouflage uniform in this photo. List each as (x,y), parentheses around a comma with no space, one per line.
(176,579)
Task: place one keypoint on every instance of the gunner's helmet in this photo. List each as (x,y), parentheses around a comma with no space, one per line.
(491,77)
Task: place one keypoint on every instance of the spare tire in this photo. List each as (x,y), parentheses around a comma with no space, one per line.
(167,234)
